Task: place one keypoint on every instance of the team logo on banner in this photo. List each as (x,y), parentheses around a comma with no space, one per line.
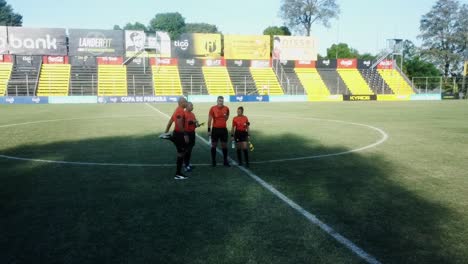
(294,48)
(238,47)
(198,45)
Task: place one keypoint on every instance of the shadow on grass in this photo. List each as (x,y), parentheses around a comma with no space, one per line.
(54,213)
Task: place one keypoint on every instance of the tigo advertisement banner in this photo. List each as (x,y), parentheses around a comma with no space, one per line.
(197,45)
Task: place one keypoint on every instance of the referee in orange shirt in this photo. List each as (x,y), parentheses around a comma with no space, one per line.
(180,137)
(240,134)
(218,115)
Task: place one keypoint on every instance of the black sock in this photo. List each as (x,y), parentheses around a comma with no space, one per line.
(187,157)
(225,155)
(180,160)
(239,156)
(246,155)
(213,155)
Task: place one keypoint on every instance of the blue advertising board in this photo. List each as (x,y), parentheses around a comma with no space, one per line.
(249,98)
(136,99)
(24,100)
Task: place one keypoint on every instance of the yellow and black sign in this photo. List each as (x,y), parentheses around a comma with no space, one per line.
(198,45)
(238,47)
(372,97)
(466,68)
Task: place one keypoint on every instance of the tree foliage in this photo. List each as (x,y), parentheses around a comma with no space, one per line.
(444,35)
(300,15)
(135,26)
(173,23)
(342,51)
(200,28)
(8,17)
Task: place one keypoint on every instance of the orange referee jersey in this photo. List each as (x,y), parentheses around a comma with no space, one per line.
(219,116)
(178,114)
(240,123)
(190,122)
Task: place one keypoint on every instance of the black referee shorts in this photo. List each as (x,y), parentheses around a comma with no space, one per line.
(179,142)
(192,137)
(219,134)
(241,136)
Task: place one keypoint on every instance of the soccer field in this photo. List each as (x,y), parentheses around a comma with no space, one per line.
(94,184)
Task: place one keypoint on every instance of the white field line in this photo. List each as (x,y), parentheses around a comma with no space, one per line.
(80,163)
(312,218)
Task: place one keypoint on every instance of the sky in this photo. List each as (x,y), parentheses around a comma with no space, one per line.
(363,24)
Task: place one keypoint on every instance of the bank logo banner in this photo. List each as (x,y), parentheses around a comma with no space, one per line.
(33,41)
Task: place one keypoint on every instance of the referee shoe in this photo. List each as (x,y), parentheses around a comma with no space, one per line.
(180,176)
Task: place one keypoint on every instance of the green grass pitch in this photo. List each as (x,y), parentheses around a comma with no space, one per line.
(402,200)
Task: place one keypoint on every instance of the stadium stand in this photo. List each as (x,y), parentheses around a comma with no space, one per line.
(375,81)
(312,82)
(354,81)
(83,80)
(5,73)
(395,81)
(166,80)
(266,81)
(333,81)
(54,80)
(112,80)
(192,80)
(292,83)
(23,81)
(218,81)
(242,80)
(139,80)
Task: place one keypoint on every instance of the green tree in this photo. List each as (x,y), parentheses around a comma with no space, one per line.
(173,23)
(417,67)
(342,51)
(8,17)
(117,27)
(301,14)
(444,35)
(200,28)
(135,26)
(367,56)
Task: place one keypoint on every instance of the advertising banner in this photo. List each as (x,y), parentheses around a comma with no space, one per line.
(190,62)
(136,99)
(426,97)
(214,62)
(239,47)
(89,61)
(94,42)
(109,60)
(326,64)
(134,42)
(371,97)
(294,48)
(6,58)
(305,64)
(286,63)
(385,65)
(238,63)
(3,40)
(159,44)
(164,61)
(288,98)
(36,41)
(249,98)
(325,98)
(72,99)
(364,64)
(24,100)
(393,97)
(347,63)
(30,61)
(139,62)
(260,64)
(197,45)
(55,59)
